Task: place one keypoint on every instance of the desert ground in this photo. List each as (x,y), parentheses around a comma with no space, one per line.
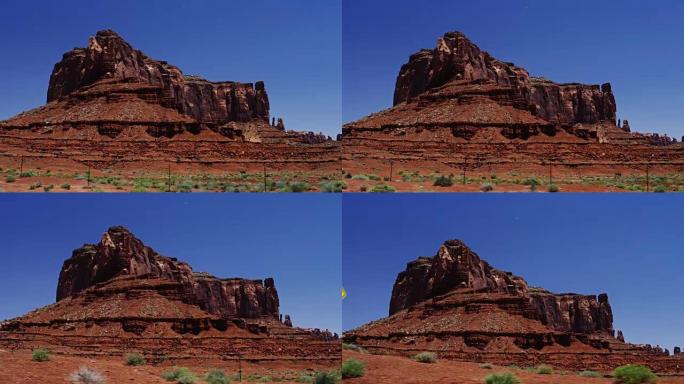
(382,369)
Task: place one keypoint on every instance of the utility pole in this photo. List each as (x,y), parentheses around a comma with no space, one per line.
(550,175)
(88,177)
(465,162)
(169,189)
(239,367)
(391,169)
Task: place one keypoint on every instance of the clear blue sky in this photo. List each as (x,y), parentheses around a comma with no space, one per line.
(635,45)
(294,46)
(629,246)
(295,239)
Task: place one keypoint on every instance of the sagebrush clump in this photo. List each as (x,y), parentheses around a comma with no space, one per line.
(425,357)
(135,359)
(352,368)
(40,355)
(87,375)
(216,376)
(180,375)
(634,374)
(502,378)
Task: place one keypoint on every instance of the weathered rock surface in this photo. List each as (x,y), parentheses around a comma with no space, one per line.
(120,295)
(460,307)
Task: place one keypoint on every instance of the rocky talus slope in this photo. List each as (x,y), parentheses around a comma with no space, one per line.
(120,296)
(460,307)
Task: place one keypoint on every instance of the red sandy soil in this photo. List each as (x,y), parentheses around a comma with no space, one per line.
(381,369)
(18,368)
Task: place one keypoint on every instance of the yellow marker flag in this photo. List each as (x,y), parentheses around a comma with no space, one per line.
(344,293)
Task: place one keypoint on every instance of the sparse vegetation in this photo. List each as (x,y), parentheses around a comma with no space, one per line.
(40,355)
(363,188)
(297,186)
(634,374)
(383,188)
(135,359)
(10,179)
(216,376)
(486,366)
(324,377)
(443,181)
(29,173)
(352,368)
(360,177)
(336,186)
(543,369)
(180,375)
(553,188)
(353,347)
(87,375)
(659,189)
(66,186)
(425,357)
(501,378)
(48,188)
(588,373)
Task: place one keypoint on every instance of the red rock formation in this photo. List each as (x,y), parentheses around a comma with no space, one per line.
(455,58)
(108,56)
(120,254)
(120,295)
(460,307)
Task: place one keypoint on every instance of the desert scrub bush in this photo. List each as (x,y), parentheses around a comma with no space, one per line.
(360,176)
(10,179)
(352,368)
(383,188)
(35,185)
(325,377)
(553,188)
(543,369)
(501,378)
(180,375)
(425,357)
(48,188)
(353,347)
(87,375)
(588,373)
(363,188)
(443,181)
(659,189)
(135,359)
(66,186)
(486,366)
(486,187)
(29,173)
(216,376)
(297,186)
(336,186)
(40,355)
(634,374)
(185,186)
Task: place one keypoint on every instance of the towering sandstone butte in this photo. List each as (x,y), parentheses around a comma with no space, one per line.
(460,307)
(119,295)
(108,56)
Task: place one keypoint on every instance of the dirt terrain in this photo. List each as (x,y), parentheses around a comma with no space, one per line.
(111,110)
(460,113)
(384,369)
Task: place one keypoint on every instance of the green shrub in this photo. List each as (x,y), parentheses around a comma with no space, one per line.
(360,177)
(185,186)
(383,188)
(543,369)
(323,377)
(35,185)
(135,359)
(660,189)
(352,368)
(425,357)
(40,355)
(486,187)
(486,366)
(443,181)
(297,186)
(180,375)
(10,178)
(333,186)
(48,188)
(588,373)
(87,375)
(28,173)
(553,188)
(501,378)
(66,186)
(216,376)
(634,374)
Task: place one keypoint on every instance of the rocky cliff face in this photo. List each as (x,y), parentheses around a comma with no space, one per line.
(120,254)
(109,57)
(456,267)
(455,58)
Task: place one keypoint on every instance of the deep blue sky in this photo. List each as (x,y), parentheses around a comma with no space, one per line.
(294,46)
(294,238)
(635,45)
(629,246)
